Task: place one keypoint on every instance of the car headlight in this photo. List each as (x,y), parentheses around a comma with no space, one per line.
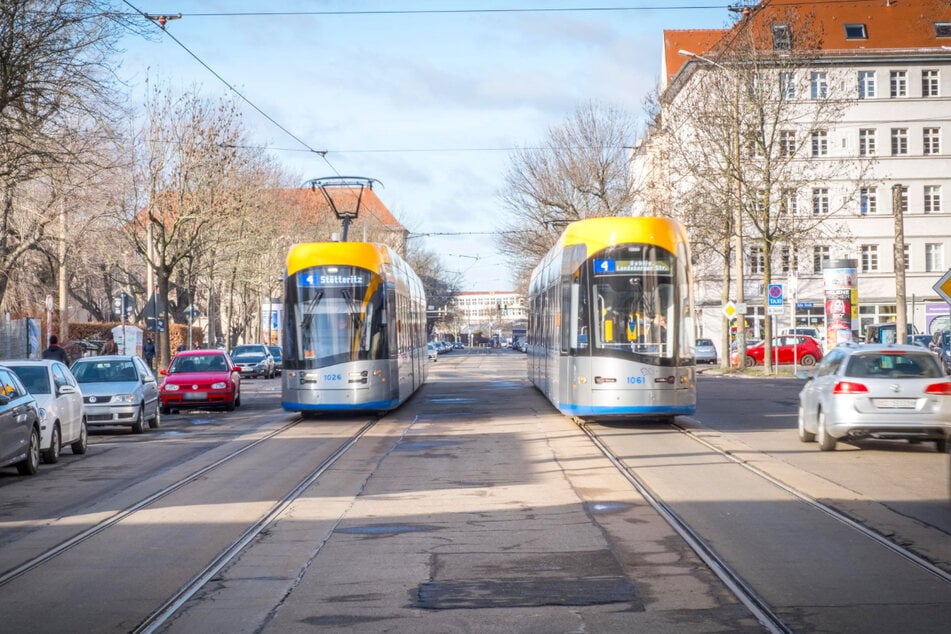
(124,398)
(42,411)
(220,385)
(171,387)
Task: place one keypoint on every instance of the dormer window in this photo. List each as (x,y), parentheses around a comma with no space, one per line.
(856,32)
(782,37)
(942,29)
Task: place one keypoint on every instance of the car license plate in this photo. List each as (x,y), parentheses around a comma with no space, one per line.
(895,403)
(195,396)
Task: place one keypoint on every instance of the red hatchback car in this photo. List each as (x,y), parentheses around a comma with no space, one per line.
(200,379)
(805,350)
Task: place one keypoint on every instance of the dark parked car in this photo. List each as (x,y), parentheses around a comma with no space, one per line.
(19,425)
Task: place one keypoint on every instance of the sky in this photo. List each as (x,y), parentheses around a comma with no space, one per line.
(429,97)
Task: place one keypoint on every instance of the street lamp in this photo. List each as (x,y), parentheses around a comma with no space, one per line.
(343,194)
(737,207)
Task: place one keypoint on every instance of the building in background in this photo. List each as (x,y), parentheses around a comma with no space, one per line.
(892,69)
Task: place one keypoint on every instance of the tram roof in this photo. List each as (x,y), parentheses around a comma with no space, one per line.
(599,233)
(367,255)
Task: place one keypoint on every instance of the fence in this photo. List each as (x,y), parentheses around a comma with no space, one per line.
(19,338)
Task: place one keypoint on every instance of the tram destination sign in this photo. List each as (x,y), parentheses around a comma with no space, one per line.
(630,266)
(328,279)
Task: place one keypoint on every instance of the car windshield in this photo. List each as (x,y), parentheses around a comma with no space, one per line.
(704,342)
(889,365)
(248,357)
(35,378)
(259,350)
(275,352)
(105,371)
(198,363)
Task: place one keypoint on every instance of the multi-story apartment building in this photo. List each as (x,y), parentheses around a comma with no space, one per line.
(885,69)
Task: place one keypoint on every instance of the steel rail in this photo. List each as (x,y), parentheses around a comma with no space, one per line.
(160,615)
(742,590)
(73,541)
(831,511)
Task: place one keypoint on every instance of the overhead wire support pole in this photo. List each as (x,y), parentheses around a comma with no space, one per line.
(338,190)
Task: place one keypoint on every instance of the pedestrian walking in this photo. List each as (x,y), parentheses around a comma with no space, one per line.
(55,351)
(148,351)
(110,346)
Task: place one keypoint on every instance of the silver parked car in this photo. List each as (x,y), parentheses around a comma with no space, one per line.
(705,352)
(118,390)
(57,394)
(877,391)
(253,359)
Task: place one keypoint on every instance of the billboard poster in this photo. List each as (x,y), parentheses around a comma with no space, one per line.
(840,283)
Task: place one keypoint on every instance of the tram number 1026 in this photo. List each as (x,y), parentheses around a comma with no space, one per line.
(333,377)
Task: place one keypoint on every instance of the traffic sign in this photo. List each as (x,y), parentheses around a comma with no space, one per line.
(775,311)
(729,310)
(943,287)
(774,294)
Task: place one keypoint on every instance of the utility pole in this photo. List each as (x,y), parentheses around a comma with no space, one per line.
(901,302)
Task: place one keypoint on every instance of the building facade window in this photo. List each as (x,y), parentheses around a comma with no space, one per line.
(789,203)
(782,37)
(868,200)
(820,201)
(899,141)
(818,85)
(898,83)
(790,260)
(869,258)
(819,255)
(932,199)
(907,257)
(934,257)
(931,139)
(787,143)
(787,85)
(867,142)
(757,260)
(866,84)
(820,143)
(929,83)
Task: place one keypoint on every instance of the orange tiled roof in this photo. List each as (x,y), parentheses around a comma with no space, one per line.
(889,24)
(313,203)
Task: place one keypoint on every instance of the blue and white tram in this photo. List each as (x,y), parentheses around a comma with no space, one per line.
(611,327)
(354,328)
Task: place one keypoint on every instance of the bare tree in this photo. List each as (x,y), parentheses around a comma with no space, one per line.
(55,80)
(580,171)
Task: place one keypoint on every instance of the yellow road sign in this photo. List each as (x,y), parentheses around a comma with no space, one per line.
(943,287)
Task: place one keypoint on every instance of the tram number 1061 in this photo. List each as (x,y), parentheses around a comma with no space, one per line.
(636,380)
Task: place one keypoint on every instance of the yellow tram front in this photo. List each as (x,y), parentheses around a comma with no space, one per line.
(613,313)
(338,349)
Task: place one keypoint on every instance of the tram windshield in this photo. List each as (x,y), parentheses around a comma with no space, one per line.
(633,301)
(338,316)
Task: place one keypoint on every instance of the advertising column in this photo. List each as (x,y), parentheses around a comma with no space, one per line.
(840,281)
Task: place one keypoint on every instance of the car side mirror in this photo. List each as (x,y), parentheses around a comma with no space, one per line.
(4,399)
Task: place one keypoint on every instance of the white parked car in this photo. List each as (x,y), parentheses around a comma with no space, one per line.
(60,401)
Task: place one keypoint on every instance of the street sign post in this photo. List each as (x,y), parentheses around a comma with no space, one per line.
(943,287)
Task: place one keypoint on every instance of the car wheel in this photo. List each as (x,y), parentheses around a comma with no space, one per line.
(156,421)
(807,360)
(139,425)
(826,442)
(942,445)
(230,405)
(51,455)
(749,362)
(79,447)
(31,464)
(166,410)
(237,400)
(804,436)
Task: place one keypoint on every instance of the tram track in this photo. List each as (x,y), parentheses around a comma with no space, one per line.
(731,577)
(226,554)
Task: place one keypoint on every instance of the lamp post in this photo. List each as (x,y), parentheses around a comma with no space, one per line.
(344,195)
(737,207)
